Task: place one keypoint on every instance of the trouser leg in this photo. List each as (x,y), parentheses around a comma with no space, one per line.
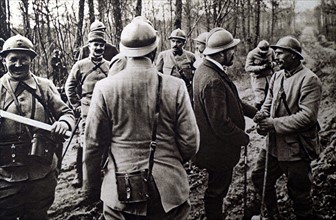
(28,199)
(299,186)
(273,173)
(218,187)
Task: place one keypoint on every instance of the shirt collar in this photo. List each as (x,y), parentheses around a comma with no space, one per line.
(293,71)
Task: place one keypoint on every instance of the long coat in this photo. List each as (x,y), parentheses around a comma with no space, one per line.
(220,117)
(121,117)
(303,92)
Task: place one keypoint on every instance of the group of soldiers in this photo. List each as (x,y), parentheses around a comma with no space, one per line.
(142,117)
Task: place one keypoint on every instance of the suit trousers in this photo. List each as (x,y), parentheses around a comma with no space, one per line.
(299,182)
(155,209)
(218,187)
(27,199)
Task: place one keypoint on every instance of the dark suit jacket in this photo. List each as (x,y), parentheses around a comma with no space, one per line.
(220,117)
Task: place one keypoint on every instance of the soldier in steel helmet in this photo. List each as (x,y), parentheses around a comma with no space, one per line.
(260,63)
(110,50)
(291,109)
(121,119)
(80,84)
(220,117)
(199,48)
(28,164)
(177,61)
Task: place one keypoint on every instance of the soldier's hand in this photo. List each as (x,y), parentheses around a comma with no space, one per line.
(266,124)
(59,128)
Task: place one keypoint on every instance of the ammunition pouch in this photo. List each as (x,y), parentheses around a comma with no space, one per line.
(132,187)
(43,148)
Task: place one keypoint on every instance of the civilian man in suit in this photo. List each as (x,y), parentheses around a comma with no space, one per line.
(121,118)
(292,106)
(220,116)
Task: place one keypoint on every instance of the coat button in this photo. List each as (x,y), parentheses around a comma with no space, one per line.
(21,99)
(13,155)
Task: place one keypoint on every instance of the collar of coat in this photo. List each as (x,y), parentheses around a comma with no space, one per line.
(13,82)
(293,71)
(217,67)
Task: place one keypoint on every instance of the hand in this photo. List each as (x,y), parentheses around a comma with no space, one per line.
(266,124)
(261,132)
(59,128)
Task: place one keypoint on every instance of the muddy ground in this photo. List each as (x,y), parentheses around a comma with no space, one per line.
(69,202)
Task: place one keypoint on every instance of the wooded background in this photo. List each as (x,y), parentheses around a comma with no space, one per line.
(64,24)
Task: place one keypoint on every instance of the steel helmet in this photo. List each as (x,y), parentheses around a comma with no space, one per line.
(18,43)
(202,37)
(263,46)
(218,40)
(138,39)
(178,33)
(291,44)
(97,26)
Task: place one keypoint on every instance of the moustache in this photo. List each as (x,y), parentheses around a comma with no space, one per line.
(99,51)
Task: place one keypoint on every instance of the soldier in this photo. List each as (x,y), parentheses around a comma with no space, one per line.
(260,63)
(220,117)
(110,50)
(291,109)
(81,82)
(122,118)
(177,61)
(28,174)
(2,67)
(200,46)
(58,68)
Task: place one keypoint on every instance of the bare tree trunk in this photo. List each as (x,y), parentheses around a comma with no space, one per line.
(102,8)
(138,8)
(178,15)
(117,19)
(79,35)
(187,10)
(91,11)
(4,30)
(235,17)
(257,23)
(207,15)
(25,15)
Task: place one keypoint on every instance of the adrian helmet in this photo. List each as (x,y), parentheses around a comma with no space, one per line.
(18,43)
(291,44)
(202,37)
(97,26)
(218,40)
(138,39)
(178,33)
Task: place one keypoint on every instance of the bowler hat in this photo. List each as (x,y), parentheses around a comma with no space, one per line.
(218,40)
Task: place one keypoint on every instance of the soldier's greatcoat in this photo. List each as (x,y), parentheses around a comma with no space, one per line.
(121,117)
